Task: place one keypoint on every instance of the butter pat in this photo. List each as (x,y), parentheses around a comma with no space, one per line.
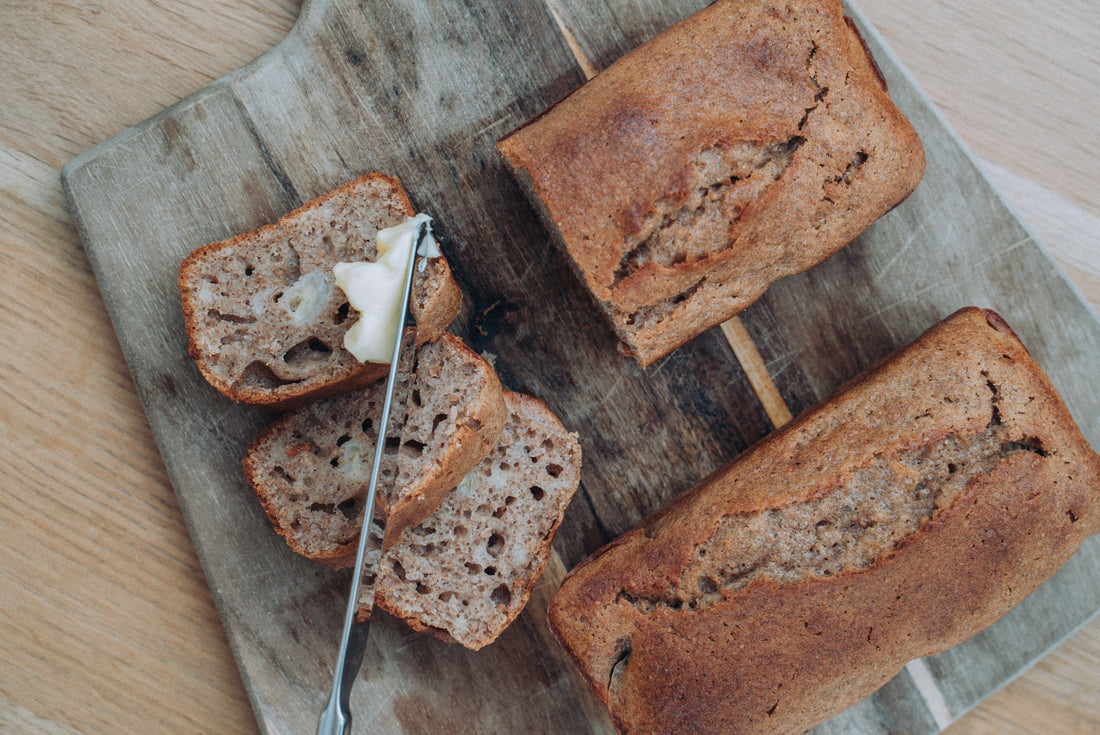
(375,289)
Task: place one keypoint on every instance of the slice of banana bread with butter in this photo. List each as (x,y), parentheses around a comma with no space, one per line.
(265,319)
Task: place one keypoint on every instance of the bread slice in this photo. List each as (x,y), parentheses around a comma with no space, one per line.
(746,143)
(466,572)
(897,519)
(311,467)
(265,320)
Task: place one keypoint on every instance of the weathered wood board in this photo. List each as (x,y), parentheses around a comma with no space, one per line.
(421,89)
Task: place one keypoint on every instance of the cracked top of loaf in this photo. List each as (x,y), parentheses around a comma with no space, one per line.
(265,319)
(895,520)
(748,142)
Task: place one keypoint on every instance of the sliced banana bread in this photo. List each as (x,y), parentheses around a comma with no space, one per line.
(466,572)
(265,320)
(311,467)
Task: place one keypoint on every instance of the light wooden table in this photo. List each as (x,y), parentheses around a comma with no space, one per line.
(106,623)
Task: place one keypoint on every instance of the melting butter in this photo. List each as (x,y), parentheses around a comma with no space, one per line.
(375,289)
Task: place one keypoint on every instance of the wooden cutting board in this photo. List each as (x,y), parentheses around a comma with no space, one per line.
(421,90)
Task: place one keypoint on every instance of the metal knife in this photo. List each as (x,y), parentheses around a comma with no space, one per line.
(336,716)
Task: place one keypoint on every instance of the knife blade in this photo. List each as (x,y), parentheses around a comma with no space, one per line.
(336,716)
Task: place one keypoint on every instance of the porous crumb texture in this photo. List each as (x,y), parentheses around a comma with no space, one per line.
(689,175)
(312,466)
(264,316)
(896,520)
(467,571)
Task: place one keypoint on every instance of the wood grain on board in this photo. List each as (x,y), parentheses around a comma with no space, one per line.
(389,88)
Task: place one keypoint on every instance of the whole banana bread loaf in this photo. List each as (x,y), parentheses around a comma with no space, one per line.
(265,320)
(751,141)
(898,519)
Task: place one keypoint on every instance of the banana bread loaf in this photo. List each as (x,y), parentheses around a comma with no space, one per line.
(898,519)
(311,467)
(265,321)
(748,142)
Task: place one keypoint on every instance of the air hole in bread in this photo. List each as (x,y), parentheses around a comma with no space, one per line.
(342,313)
(392,445)
(439,419)
(499,512)
(446,596)
(509,500)
(343,439)
(220,316)
(708,585)
(417,399)
(472,568)
(461,530)
(553,469)
(537,492)
(398,570)
(501,595)
(309,349)
(495,544)
(412,448)
(259,375)
(368,426)
(490,571)
(472,424)
(248,270)
(422,589)
(349,507)
(282,474)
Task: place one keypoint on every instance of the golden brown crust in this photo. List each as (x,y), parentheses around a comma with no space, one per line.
(436,302)
(782,655)
(771,146)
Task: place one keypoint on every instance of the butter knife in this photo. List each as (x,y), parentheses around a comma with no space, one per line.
(336,716)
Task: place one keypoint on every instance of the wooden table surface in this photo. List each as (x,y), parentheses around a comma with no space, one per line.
(106,622)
